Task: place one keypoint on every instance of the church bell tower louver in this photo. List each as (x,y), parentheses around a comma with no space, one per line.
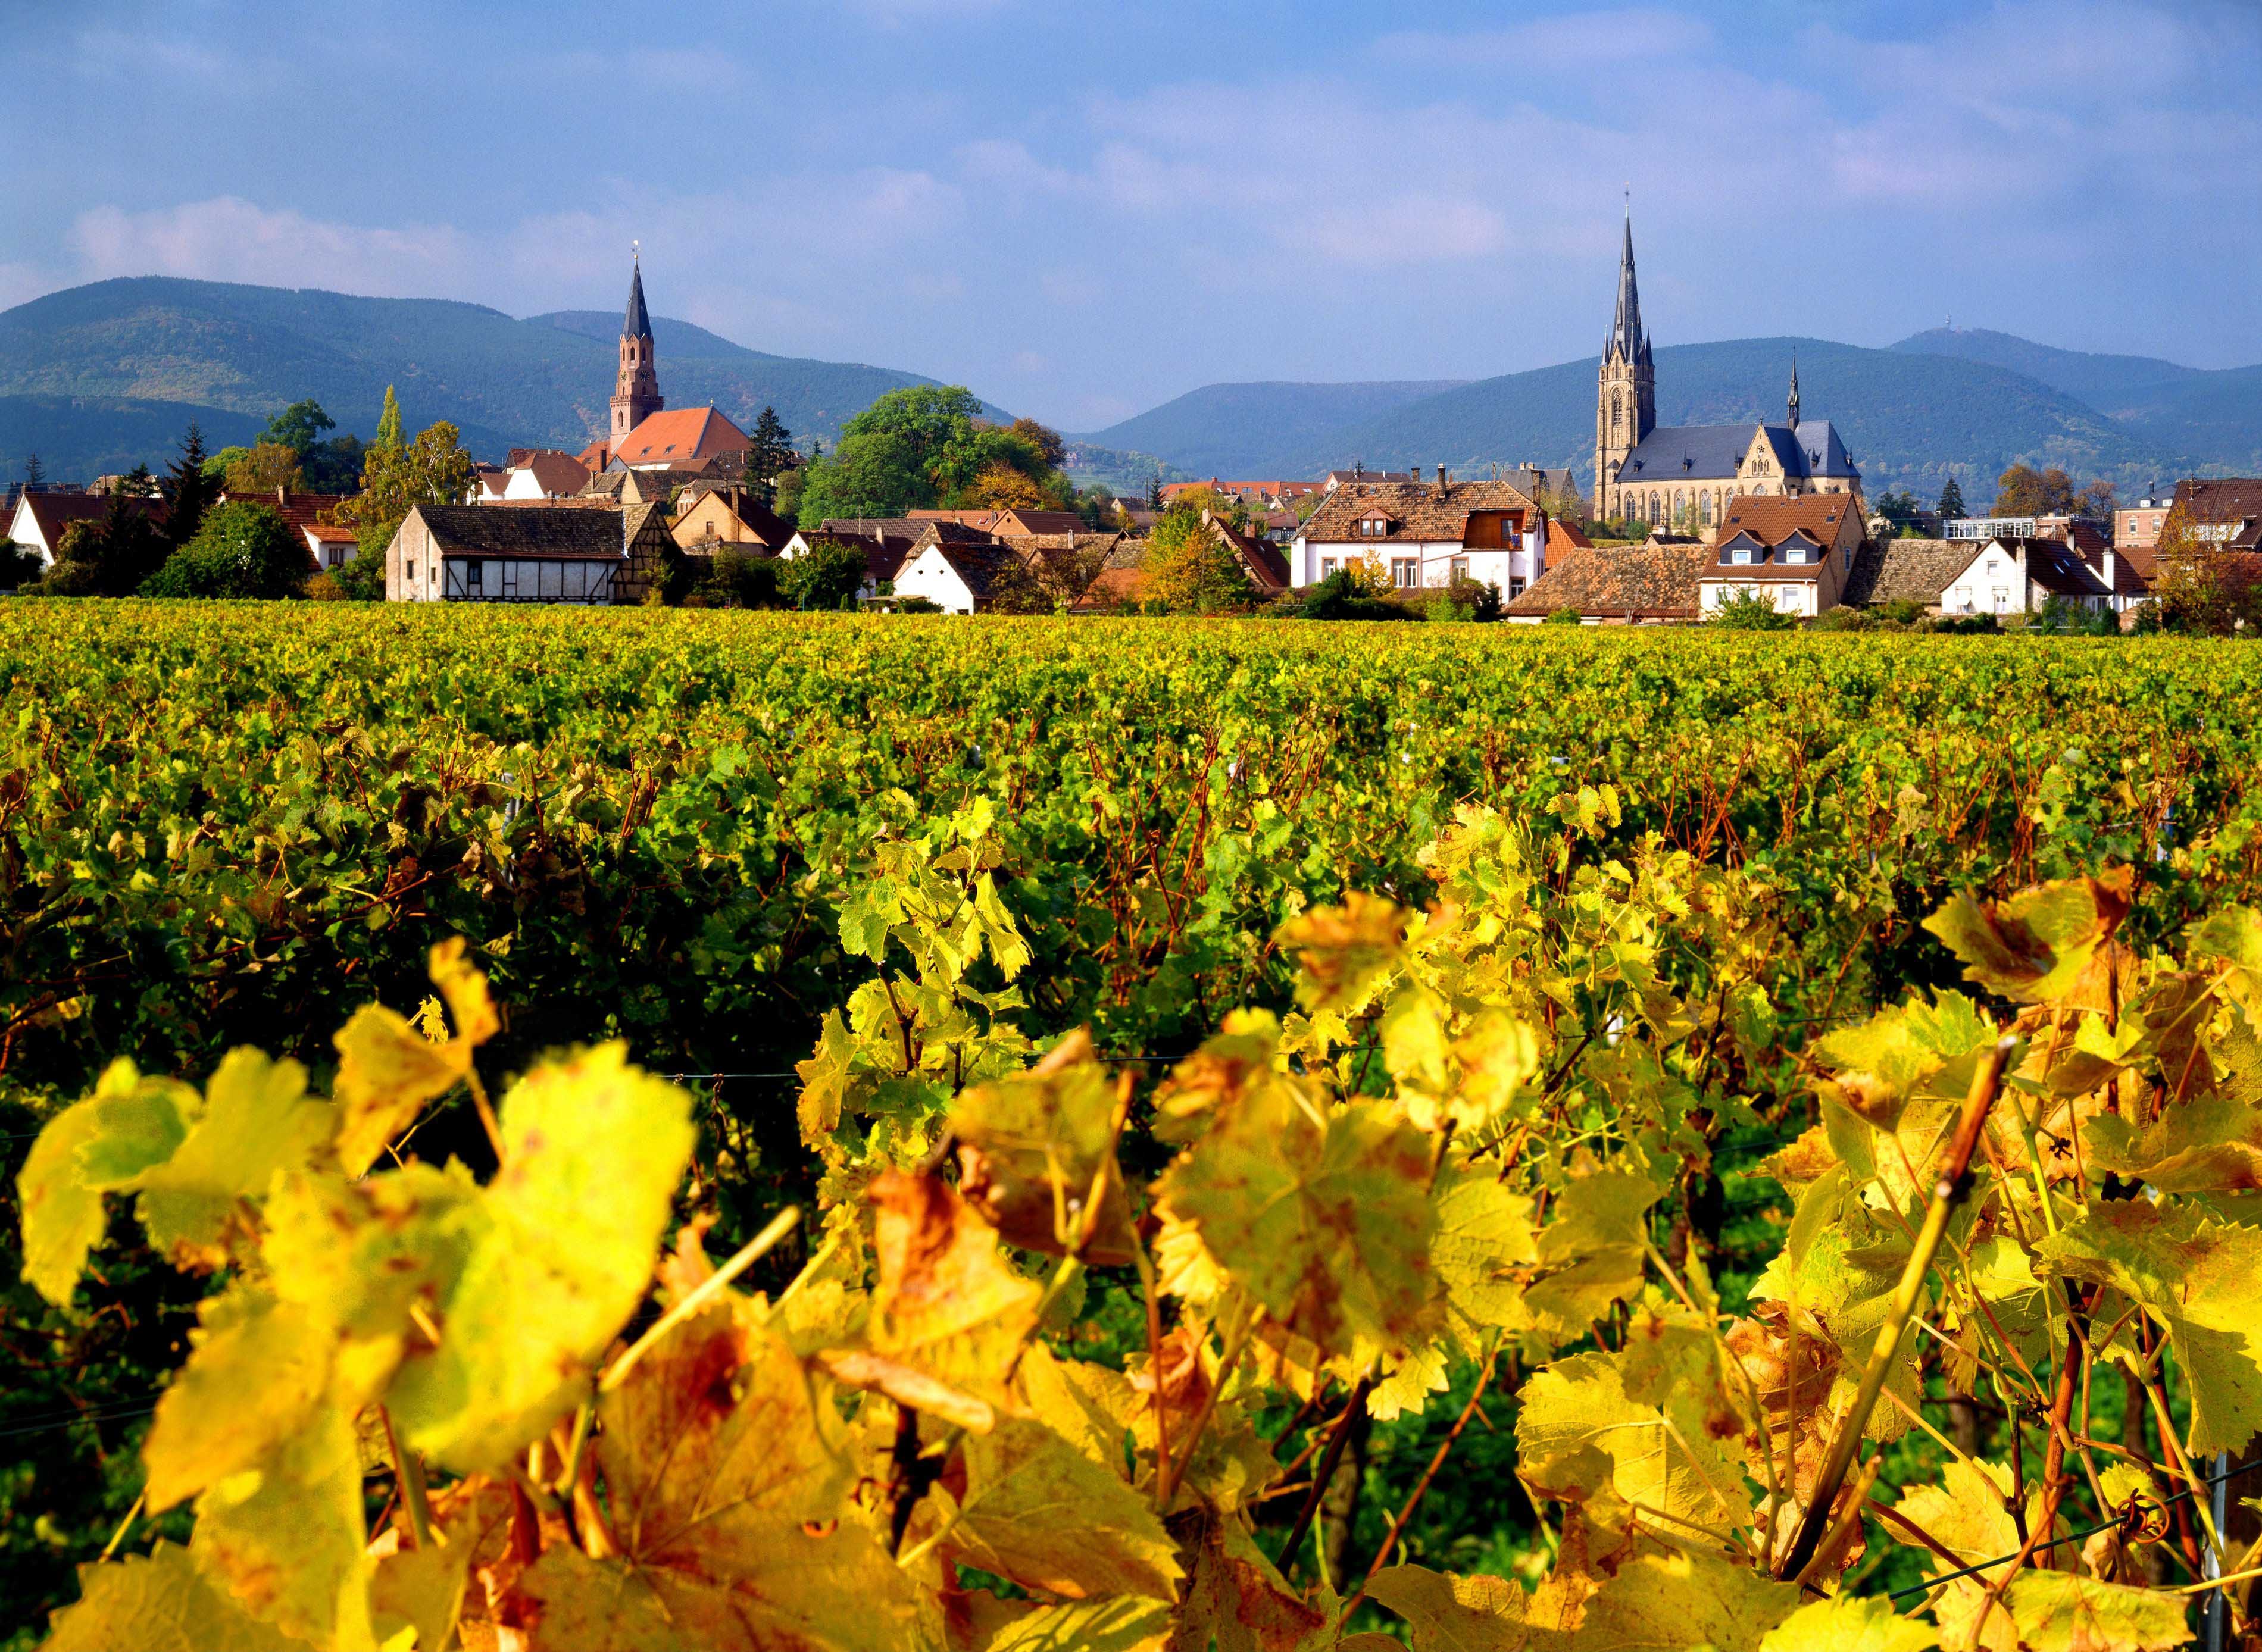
(1625,400)
(635,393)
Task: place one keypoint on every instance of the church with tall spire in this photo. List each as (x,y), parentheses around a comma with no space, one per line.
(644,434)
(636,393)
(1683,476)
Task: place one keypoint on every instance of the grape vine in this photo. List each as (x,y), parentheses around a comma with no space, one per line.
(421,1410)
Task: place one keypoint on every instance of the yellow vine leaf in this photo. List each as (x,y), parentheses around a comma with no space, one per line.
(1849,1623)
(1320,1212)
(1123,1624)
(592,1149)
(2058,1612)
(288,1538)
(257,1119)
(63,1218)
(1446,1613)
(2036,946)
(388,1068)
(726,1493)
(1345,951)
(1654,1410)
(1039,1511)
(164,1604)
(1483,1252)
(248,1343)
(2200,1278)
(1030,1146)
(1241,1057)
(947,1301)
(1591,1252)
(1676,1598)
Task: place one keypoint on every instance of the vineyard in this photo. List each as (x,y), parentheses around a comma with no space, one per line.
(656,1129)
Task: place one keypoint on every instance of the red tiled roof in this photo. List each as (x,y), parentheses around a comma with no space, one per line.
(1563,537)
(680,436)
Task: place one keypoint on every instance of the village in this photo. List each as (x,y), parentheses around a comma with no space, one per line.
(1763,522)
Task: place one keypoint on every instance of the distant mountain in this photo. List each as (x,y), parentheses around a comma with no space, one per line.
(2213,411)
(1909,418)
(1243,430)
(209,347)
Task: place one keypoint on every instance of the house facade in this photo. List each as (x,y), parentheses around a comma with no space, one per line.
(2018,575)
(40,519)
(730,515)
(1423,534)
(956,575)
(528,553)
(1797,552)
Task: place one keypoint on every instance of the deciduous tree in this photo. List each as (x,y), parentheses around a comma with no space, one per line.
(243,549)
(267,466)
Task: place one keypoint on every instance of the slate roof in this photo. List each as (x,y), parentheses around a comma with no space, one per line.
(1418,511)
(1649,582)
(1905,571)
(636,324)
(1711,453)
(559,532)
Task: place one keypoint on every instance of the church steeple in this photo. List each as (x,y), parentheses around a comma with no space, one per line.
(1625,399)
(1794,389)
(1626,337)
(636,393)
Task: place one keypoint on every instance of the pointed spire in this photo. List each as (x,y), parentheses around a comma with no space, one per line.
(637,325)
(1626,327)
(1794,389)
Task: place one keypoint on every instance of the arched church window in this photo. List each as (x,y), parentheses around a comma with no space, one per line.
(1616,413)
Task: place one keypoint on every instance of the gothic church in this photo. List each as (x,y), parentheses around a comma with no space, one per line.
(1683,475)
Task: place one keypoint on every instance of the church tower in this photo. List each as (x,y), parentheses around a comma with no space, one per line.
(1625,403)
(635,393)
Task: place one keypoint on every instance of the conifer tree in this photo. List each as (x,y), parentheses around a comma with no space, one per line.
(35,474)
(1951,499)
(388,422)
(773,449)
(188,492)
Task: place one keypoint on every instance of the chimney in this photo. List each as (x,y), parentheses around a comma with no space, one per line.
(283,495)
(1441,481)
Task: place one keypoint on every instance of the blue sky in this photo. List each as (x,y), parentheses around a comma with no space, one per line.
(1081,210)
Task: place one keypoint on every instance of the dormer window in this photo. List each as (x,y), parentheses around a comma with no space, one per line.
(1741,556)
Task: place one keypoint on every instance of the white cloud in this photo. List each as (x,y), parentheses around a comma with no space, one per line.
(229,239)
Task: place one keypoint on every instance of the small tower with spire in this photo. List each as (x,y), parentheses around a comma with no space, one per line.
(636,393)
(1625,400)
(1793,420)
